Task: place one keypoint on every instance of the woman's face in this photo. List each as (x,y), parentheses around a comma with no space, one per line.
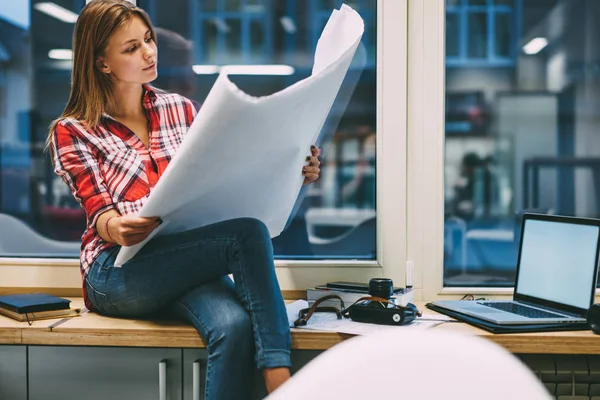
(131,55)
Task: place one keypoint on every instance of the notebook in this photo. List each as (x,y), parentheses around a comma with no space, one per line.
(39,315)
(557,271)
(33,302)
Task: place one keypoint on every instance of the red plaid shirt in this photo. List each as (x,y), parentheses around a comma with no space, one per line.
(109,167)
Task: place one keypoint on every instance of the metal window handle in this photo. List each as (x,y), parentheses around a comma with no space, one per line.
(196,368)
(162,380)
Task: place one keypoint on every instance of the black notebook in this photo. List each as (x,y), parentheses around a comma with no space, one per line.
(33,302)
(353,287)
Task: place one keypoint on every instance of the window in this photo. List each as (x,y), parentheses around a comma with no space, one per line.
(515,138)
(482,32)
(230,32)
(337,219)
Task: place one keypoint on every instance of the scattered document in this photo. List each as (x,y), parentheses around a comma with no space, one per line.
(243,155)
(328,322)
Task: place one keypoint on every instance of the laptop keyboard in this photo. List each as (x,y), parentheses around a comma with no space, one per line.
(521,310)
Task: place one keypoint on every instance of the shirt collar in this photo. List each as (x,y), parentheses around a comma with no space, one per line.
(149,93)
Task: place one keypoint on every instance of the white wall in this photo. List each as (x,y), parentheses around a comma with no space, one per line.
(488,80)
(556,72)
(531,73)
(530,121)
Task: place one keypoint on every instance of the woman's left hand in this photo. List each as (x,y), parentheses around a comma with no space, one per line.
(311,171)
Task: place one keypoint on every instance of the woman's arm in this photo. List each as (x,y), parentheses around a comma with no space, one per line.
(78,167)
(124,230)
(76,164)
(102,225)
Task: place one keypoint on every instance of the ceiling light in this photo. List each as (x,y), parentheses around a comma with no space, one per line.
(535,45)
(288,25)
(61,54)
(221,25)
(57,12)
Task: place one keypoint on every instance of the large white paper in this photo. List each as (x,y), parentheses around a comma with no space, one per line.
(243,155)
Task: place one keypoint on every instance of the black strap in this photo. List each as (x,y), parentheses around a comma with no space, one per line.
(305,314)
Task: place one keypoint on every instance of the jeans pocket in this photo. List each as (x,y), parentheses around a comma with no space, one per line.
(100,301)
(106,259)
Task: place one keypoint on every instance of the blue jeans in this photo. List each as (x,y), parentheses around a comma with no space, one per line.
(185,274)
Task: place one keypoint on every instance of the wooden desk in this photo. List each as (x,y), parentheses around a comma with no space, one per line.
(92,329)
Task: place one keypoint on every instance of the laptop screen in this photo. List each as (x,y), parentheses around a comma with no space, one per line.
(558,262)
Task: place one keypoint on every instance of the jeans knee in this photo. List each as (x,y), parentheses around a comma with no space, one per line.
(232,332)
(253,228)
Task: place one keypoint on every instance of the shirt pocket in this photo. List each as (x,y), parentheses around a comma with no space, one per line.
(125,176)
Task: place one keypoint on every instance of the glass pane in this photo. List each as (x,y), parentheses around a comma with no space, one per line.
(232,5)
(452,35)
(208,5)
(336,217)
(233,42)
(502,35)
(504,2)
(477,42)
(477,2)
(453,3)
(210,33)
(256,6)
(327,5)
(257,39)
(520,137)
(36,218)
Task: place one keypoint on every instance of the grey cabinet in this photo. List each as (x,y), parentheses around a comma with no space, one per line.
(13,372)
(194,373)
(194,376)
(301,357)
(100,373)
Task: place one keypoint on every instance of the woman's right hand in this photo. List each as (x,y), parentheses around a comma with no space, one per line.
(129,230)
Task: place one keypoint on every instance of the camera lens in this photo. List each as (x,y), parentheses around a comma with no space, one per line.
(381,287)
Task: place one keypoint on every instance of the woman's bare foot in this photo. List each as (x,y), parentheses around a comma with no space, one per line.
(275,377)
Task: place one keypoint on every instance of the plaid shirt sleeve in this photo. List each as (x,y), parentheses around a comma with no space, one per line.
(75,163)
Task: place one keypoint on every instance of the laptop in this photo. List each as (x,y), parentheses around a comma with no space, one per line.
(557,271)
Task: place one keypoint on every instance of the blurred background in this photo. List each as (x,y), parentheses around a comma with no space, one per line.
(522,126)
(269,44)
(522,109)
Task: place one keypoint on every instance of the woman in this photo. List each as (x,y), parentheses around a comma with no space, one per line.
(112,143)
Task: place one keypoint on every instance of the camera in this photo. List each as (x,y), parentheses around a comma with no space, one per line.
(379,309)
(381,287)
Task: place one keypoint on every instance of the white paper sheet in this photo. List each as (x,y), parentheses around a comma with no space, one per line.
(243,155)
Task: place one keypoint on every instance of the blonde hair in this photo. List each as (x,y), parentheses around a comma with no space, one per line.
(91,90)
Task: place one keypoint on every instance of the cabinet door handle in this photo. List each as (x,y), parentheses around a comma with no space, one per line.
(162,380)
(196,368)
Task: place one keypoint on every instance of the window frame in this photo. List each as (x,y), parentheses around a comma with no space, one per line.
(426,141)
(491,10)
(391,183)
(198,16)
